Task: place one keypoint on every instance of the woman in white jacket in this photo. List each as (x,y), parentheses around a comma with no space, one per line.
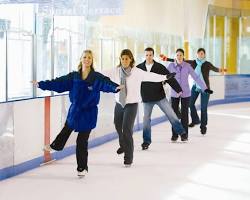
(127,101)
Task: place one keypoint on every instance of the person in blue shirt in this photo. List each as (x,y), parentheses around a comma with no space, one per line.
(84,88)
(202,68)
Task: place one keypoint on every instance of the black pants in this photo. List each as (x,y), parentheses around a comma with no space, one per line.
(81,145)
(124,119)
(183,113)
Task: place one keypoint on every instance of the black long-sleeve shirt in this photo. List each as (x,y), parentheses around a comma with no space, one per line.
(154,91)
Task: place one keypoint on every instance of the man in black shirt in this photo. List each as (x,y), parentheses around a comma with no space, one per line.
(154,94)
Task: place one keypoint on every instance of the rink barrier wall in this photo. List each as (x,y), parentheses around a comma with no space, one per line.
(58,111)
(34,163)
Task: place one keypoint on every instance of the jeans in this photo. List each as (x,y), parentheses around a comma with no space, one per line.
(204,102)
(124,119)
(165,106)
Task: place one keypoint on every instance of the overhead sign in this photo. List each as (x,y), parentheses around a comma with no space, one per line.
(74,7)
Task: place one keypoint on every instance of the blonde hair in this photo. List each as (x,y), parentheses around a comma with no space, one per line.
(80,64)
(128,53)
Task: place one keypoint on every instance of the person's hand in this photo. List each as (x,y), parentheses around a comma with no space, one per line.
(35,83)
(223,70)
(179,94)
(208,91)
(170,75)
(163,57)
(120,87)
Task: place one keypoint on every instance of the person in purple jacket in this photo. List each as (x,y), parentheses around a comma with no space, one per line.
(202,68)
(84,88)
(183,70)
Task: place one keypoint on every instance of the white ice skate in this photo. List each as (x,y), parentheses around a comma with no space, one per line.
(47,148)
(82,173)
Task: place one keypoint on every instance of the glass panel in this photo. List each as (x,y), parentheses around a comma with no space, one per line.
(218,43)
(131,44)
(244,63)
(3,66)
(6,135)
(21,16)
(77,41)
(107,54)
(194,44)
(19,65)
(157,50)
(244,47)
(20,20)
(140,52)
(61,52)
(61,45)
(44,31)
(119,46)
(94,46)
(172,46)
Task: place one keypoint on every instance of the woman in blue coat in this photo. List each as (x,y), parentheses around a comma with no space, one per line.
(84,88)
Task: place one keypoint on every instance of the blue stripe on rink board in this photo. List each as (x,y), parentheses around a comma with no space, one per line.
(92,143)
(20,168)
(31,164)
(36,162)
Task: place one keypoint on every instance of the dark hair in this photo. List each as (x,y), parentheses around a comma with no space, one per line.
(128,53)
(180,50)
(80,64)
(150,49)
(201,49)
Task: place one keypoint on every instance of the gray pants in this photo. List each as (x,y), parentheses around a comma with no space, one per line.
(124,119)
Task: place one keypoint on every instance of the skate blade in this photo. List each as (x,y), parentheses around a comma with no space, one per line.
(81,175)
(47,163)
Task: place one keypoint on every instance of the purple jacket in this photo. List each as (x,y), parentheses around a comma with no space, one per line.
(182,71)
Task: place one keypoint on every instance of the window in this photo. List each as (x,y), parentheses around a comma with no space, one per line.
(107,53)
(3,66)
(77,41)
(19,50)
(19,65)
(43,63)
(244,47)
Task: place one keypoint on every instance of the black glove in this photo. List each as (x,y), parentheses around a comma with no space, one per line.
(209,91)
(170,75)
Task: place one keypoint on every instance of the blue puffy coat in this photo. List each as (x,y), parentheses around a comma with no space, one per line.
(84,96)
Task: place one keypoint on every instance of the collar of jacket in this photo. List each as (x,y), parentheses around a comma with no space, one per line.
(144,64)
(203,64)
(91,76)
(176,64)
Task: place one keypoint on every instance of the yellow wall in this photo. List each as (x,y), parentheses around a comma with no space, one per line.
(186,50)
(238,4)
(232,45)
(220,27)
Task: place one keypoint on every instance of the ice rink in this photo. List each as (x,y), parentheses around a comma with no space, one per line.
(214,166)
